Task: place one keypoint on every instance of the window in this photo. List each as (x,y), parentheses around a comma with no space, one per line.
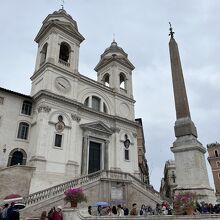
(219,175)
(218,164)
(1,100)
(216,153)
(64,52)
(122,81)
(23,130)
(126,154)
(58,140)
(43,54)
(106,79)
(96,103)
(17,158)
(26,108)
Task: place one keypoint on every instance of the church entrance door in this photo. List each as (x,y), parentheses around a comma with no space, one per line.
(94,157)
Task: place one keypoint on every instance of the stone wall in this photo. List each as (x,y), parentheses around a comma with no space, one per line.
(11,182)
(74,214)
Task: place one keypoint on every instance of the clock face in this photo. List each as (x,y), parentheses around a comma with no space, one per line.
(62,84)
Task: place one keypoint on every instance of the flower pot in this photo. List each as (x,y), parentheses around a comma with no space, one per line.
(73,204)
(189,211)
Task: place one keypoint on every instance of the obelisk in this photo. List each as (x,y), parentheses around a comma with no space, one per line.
(191,170)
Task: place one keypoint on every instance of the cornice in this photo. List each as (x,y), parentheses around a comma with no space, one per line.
(82,78)
(46,94)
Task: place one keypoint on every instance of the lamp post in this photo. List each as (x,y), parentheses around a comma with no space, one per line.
(4,149)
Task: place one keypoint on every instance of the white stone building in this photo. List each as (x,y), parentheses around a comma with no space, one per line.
(70,125)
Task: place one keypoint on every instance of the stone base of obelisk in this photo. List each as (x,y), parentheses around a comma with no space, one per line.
(206,195)
(191,168)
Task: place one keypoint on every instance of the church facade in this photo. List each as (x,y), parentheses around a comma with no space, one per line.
(70,125)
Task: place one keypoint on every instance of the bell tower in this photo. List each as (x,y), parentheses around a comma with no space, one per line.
(58,51)
(115,70)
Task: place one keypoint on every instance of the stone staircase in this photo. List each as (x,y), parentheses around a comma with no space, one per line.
(53,196)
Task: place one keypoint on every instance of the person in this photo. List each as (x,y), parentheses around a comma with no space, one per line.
(142,210)
(120,210)
(114,210)
(15,215)
(99,208)
(57,214)
(10,210)
(43,215)
(126,210)
(50,213)
(90,210)
(4,211)
(134,209)
(1,210)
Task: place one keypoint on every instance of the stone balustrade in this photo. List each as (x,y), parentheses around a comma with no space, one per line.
(64,62)
(75,214)
(51,192)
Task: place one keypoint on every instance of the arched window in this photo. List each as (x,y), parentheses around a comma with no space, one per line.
(26,107)
(43,54)
(23,130)
(96,103)
(106,79)
(86,103)
(122,81)
(64,52)
(17,157)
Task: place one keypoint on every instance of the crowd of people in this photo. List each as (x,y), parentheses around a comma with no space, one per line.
(9,212)
(161,209)
(12,213)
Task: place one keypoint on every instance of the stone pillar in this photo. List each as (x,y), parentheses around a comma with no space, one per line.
(106,155)
(84,160)
(189,153)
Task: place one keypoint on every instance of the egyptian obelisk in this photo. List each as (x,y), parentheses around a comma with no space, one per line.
(191,170)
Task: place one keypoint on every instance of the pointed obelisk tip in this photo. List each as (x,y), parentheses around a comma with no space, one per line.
(171,31)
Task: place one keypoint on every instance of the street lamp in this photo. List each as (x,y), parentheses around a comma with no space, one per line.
(4,148)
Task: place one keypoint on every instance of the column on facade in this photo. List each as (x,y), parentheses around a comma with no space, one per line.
(106,155)
(84,160)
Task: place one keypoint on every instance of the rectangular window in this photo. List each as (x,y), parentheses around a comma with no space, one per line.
(126,154)
(219,175)
(23,131)
(1,100)
(216,153)
(58,140)
(26,108)
(96,103)
(218,164)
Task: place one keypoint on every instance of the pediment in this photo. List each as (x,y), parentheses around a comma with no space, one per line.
(105,61)
(64,26)
(98,126)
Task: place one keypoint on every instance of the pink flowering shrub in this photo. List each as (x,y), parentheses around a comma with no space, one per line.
(184,201)
(74,194)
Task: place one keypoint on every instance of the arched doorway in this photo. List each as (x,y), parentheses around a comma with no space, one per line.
(17,157)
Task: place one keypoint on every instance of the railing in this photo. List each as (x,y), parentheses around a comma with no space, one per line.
(59,189)
(64,62)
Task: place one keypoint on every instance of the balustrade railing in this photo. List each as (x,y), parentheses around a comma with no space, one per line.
(59,189)
(64,62)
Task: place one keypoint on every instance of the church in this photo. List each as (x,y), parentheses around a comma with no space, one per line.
(70,125)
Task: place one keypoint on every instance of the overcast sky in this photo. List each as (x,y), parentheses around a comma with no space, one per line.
(141,28)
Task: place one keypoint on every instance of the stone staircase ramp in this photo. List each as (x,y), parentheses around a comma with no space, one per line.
(53,196)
